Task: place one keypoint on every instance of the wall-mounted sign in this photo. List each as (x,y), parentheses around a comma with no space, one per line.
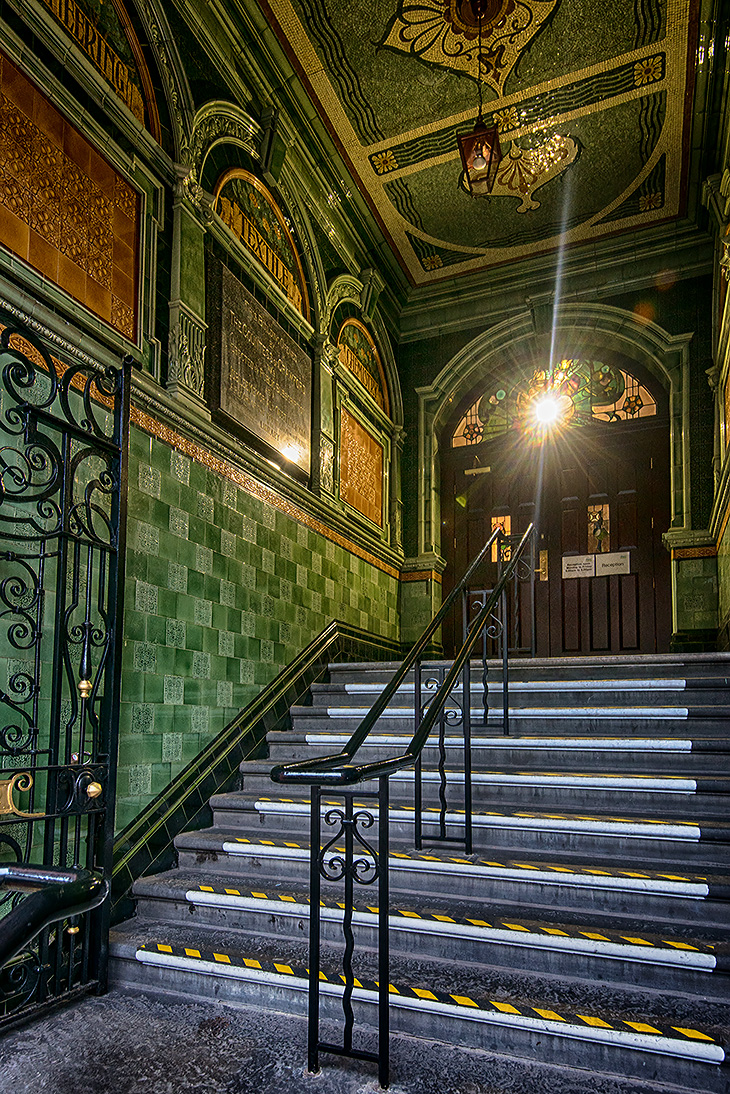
(104,32)
(265,381)
(247,208)
(614,562)
(579,565)
(361,469)
(359,354)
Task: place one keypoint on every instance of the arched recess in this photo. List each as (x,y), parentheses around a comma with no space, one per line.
(178,97)
(349,288)
(578,330)
(359,430)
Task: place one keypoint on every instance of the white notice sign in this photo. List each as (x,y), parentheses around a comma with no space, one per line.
(615,562)
(579,565)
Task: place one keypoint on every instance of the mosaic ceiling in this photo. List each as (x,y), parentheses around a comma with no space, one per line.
(591,98)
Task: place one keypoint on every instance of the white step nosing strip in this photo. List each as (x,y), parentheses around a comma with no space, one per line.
(671,784)
(694,961)
(530,685)
(624,744)
(689,833)
(690,890)
(655,714)
(697,1051)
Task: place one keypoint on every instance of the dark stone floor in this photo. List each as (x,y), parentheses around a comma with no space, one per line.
(136,1044)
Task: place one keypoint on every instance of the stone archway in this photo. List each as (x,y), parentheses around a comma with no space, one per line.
(589,329)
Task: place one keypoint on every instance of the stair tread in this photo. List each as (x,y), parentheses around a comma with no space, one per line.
(478,984)
(670,782)
(215,837)
(175,883)
(247,802)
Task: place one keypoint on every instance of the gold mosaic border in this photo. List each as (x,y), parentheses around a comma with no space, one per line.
(252,486)
(710,551)
(421,575)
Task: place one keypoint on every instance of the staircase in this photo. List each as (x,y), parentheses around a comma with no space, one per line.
(589,929)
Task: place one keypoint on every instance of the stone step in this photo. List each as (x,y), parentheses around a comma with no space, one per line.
(469,934)
(542,880)
(710,692)
(671,755)
(437,1001)
(572,721)
(707,846)
(703,797)
(620,666)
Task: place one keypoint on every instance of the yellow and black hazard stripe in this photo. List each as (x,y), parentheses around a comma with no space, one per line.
(509,864)
(562,931)
(425,995)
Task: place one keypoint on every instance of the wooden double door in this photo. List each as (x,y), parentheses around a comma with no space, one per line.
(599,497)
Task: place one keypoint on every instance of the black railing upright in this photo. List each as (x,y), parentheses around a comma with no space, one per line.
(357,862)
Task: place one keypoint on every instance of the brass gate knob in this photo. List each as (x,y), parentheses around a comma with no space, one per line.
(94,790)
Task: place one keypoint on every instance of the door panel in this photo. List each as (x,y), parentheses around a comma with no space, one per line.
(605,488)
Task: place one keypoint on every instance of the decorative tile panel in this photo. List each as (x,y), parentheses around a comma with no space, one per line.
(63,208)
(361,468)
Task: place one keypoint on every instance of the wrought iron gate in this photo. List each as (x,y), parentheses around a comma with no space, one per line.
(63,445)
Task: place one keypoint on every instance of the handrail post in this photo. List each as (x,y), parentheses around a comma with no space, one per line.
(466,719)
(505,664)
(383,935)
(314,929)
(417,788)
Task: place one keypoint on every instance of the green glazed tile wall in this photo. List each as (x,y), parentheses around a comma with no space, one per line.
(222,591)
(697,593)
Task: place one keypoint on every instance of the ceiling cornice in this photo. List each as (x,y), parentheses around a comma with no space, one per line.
(632,262)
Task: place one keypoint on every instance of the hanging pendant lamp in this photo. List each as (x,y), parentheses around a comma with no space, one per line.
(480,150)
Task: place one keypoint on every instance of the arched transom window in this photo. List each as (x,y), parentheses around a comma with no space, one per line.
(575,392)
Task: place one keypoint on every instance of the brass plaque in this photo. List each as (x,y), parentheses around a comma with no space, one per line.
(361,469)
(265,377)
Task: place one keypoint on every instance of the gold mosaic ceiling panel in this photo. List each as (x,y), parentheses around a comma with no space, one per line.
(591,98)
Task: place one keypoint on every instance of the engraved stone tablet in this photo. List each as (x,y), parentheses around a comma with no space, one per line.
(265,377)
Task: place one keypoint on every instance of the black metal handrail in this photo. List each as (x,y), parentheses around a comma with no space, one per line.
(358,862)
(338,769)
(54,895)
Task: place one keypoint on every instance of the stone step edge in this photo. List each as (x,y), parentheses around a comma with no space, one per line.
(525,820)
(692,886)
(646,714)
(612,945)
(570,780)
(679,1041)
(700,683)
(613,744)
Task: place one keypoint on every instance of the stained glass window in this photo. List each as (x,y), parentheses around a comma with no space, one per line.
(584,391)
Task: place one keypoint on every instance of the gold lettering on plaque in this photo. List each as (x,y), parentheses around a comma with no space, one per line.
(99,52)
(249,211)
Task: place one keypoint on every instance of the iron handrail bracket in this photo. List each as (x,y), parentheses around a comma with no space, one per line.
(54,895)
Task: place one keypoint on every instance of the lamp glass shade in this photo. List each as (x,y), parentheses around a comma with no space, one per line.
(482,145)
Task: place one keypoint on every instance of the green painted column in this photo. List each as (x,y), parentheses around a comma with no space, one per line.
(186,346)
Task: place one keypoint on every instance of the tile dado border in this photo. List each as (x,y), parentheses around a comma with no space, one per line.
(215,463)
(420,575)
(709,551)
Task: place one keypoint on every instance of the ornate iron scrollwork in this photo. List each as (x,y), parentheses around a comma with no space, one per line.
(357,863)
(63,431)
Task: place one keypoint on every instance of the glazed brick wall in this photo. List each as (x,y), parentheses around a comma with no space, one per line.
(222,591)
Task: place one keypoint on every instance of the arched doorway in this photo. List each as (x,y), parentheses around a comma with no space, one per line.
(596,482)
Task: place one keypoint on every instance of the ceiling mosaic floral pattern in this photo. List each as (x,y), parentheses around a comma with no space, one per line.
(590,100)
